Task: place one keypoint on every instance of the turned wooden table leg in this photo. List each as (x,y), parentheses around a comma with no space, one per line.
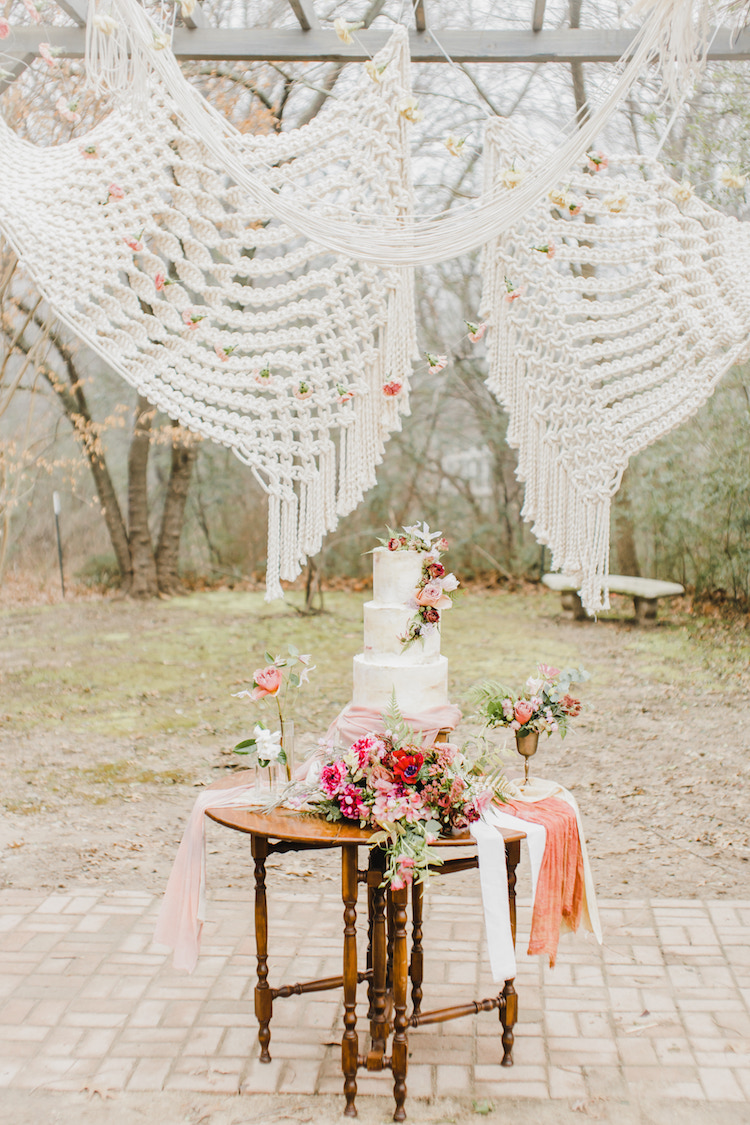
(509,1010)
(416,967)
(378,1030)
(263,999)
(400,1048)
(350,1042)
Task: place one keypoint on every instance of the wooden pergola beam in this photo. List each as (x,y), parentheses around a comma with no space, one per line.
(420,15)
(537,16)
(12,66)
(305,13)
(76,9)
(196,20)
(289,45)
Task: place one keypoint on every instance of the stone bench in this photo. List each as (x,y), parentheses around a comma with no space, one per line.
(645,593)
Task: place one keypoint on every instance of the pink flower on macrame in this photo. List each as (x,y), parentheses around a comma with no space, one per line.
(67,110)
(333,778)
(192,319)
(523,711)
(115,192)
(596,161)
(351,804)
(89,152)
(135,244)
(223,353)
(266,681)
(476,331)
(392,389)
(513,292)
(548,249)
(263,377)
(45,53)
(4,28)
(344,394)
(159,282)
(31,8)
(436,363)
(303,390)
(432,595)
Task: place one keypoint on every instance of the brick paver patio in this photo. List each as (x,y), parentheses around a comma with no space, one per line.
(86,1001)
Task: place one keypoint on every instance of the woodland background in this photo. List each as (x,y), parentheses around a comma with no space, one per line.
(148,508)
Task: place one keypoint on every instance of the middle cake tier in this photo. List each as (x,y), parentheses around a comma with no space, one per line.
(385,625)
(418,687)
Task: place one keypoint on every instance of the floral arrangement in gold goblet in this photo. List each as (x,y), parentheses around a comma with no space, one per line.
(543,705)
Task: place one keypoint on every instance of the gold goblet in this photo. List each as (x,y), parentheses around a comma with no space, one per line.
(526,745)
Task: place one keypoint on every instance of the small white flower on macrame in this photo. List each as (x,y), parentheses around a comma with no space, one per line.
(683,192)
(732,178)
(161,40)
(375,72)
(511,178)
(68,110)
(562,198)
(303,390)
(476,331)
(454,144)
(409,109)
(344,30)
(106,24)
(616,203)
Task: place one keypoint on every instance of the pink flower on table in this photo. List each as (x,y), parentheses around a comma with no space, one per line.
(114,191)
(351,804)
(432,595)
(507,706)
(192,319)
(136,246)
(476,331)
(333,778)
(391,389)
(523,711)
(548,672)
(45,53)
(266,681)
(4,28)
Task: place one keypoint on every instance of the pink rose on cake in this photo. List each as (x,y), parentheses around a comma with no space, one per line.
(432,595)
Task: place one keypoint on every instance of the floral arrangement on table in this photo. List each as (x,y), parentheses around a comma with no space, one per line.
(274,682)
(435,587)
(542,705)
(412,793)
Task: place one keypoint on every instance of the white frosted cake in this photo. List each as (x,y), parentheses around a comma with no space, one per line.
(414,668)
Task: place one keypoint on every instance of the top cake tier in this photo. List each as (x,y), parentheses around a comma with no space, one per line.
(395,575)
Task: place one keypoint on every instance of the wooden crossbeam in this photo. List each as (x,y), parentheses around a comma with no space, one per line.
(76,9)
(289,45)
(305,13)
(420,15)
(196,20)
(11,66)
(537,16)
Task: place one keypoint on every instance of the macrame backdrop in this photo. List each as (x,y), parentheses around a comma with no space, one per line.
(615,307)
(221,315)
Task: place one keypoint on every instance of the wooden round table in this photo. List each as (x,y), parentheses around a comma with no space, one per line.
(390,967)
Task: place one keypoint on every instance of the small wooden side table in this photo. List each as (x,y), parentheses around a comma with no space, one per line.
(390,968)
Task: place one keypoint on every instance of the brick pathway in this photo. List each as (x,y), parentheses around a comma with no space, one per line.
(86,1001)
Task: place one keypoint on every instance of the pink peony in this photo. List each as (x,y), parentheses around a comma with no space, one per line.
(432,595)
(391,389)
(333,778)
(267,681)
(4,28)
(350,803)
(523,711)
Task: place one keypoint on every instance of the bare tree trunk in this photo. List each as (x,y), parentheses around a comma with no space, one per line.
(624,531)
(143,583)
(184,454)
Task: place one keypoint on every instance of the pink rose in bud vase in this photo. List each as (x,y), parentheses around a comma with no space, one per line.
(4,28)
(304,390)
(523,711)
(391,389)
(266,681)
(476,331)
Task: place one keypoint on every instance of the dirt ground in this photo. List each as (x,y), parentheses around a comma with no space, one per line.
(113,713)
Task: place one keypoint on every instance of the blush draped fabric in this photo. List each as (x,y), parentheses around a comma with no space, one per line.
(355,722)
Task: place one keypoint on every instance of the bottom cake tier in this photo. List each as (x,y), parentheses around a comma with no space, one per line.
(417,688)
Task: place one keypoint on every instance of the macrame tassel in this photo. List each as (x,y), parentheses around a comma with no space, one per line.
(273,551)
(119,57)
(289,565)
(681,38)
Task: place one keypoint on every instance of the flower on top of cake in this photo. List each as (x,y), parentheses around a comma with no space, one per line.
(435,587)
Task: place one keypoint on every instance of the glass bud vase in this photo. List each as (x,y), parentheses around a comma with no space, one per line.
(287,742)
